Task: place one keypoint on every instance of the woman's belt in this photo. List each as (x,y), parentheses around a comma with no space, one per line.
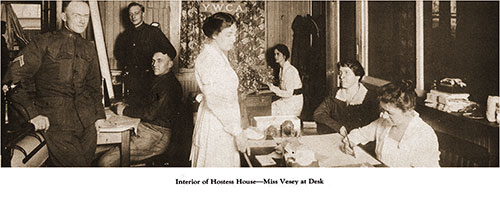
(297,91)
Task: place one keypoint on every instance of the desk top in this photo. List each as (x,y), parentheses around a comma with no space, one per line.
(327,150)
(118,123)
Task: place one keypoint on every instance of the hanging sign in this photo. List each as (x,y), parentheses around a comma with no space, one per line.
(229,7)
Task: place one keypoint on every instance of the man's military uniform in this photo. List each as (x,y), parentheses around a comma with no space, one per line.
(60,78)
(158,112)
(134,51)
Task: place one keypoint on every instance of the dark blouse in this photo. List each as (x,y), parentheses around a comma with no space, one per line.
(333,113)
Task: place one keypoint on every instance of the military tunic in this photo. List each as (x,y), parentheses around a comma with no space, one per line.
(134,51)
(158,114)
(60,78)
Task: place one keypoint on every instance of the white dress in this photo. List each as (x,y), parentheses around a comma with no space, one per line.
(417,148)
(218,119)
(288,104)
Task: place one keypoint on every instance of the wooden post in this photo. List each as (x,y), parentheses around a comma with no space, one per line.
(58,14)
(101,48)
(420,48)
(333,43)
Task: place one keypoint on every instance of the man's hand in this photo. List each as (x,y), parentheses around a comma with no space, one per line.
(241,142)
(41,122)
(120,106)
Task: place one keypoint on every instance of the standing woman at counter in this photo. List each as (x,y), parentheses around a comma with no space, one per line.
(402,138)
(217,134)
(290,88)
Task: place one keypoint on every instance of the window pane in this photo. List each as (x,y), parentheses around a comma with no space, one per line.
(391,37)
(461,40)
(29,15)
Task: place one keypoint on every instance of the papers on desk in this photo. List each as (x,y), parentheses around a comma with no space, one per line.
(265,160)
(326,150)
(328,153)
(120,123)
(117,128)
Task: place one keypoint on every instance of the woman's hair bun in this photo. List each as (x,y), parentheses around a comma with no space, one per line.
(407,85)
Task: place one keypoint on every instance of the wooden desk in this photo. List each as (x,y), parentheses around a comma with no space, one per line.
(326,149)
(255,105)
(463,142)
(118,137)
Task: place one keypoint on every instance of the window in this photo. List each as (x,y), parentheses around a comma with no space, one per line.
(29,15)
(430,40)
(391,40)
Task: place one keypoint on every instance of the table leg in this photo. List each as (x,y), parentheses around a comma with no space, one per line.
(125,149)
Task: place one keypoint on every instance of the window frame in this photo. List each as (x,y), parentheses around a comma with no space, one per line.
(362,55)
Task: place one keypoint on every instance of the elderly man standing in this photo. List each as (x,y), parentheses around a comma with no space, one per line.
(134,49)
(158,112)
(60,88)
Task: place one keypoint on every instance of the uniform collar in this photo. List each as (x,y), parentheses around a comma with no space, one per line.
(67,32)
(167,75)
(141,27)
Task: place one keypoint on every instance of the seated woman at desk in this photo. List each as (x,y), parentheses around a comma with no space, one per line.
(290,88)
(157,113)
(352,106)
(402,138)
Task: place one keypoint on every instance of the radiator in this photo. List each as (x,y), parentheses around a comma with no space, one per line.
(188,83)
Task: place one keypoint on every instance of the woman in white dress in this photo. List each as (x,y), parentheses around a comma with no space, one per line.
(217,136)
(290,88)
(402,138)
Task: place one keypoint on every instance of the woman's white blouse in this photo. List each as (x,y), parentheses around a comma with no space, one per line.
(289,81)
(288,104)
(418,146)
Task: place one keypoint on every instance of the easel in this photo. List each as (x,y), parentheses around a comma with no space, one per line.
(123,136)
(101,48)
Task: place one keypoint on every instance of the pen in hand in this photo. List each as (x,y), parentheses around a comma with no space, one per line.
(343,133)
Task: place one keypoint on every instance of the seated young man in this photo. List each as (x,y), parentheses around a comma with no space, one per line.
(157,113)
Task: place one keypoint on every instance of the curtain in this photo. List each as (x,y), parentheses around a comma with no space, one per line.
(14,32)
(248,55)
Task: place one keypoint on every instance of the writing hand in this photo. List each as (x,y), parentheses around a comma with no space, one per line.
(41,122)
(347,147)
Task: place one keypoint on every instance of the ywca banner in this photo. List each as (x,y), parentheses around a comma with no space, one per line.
(248,55)
(228,7)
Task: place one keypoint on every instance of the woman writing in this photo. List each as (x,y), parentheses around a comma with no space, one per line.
(290,89)
(352,106)
(402,138)
(217,134)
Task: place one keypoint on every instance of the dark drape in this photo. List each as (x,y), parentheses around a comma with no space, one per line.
(307,55)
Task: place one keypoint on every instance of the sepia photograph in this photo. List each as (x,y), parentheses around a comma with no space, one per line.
(292,96)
